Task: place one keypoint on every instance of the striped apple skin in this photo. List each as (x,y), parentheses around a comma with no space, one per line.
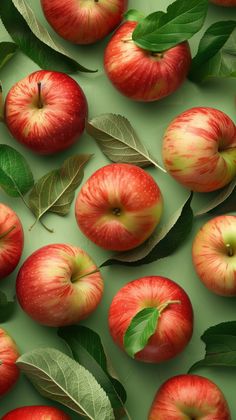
(83,21)
(138,73)
(185,397)
(127,188)
(225,3)
(199,149)
(36,412)
(9,353)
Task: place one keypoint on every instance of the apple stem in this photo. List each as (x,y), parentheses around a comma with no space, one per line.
(157,54)
(230,250)
(127,40)
(7,231)
(167,303)
(74,279)
(40,101)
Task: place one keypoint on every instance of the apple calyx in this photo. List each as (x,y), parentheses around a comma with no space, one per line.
(164,305)
(7,232)
(40,100)
(76,278)
(116,211)
(230,250)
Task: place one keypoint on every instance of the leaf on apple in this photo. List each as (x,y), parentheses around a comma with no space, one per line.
(216,56)
(162,242)
(161,31)
(118,141)
(223,203)
(16,178)
(220,341)
(34,40)
(141,328)
(7,307)
(7,50)
(133,15)
(87,349)
(58,377)
(55,191)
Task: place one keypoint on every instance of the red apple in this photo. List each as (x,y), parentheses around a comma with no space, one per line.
(186,397)
(11,240)
(143,75)
(36,412)
(119,206)
(225,3)
(199,149)
(46,111)
(214,255)
(9,372)
(59,285)
(83,21)
(175,325)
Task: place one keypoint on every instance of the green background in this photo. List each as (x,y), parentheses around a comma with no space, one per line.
(150,120)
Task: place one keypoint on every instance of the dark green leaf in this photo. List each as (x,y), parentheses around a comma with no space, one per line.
(224,202)
(133,15)
(220,343)
(7,307)
(141,328)
(33,39)
(87,349)
(162,243)
(16,178)
(216,56)
(7,50)
(161,31)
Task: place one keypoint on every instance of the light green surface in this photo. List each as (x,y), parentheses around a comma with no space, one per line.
(141,380)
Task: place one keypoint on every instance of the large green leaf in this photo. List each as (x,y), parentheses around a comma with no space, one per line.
(7,50)
(59,378)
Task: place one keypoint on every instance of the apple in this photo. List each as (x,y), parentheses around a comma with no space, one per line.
(190,397)
(119,206)
(46,111)
(143,75)
(39,412)
(11,240)
(175,324)
(214,255)
(225,3)
(83,21)
(59,285)
(199,149)
(9,353)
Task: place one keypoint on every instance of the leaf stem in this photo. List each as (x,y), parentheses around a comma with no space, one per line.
(7,232)
(157,165)
(164,305)
(36,220)
(75,278)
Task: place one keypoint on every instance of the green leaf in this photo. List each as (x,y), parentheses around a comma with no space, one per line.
(220,342)
(161,31)
(141,328)
(7,50)
(55,191)
(7,307)
(33,39)
(87,349)
(133,15)
(224,202)
(216,56)
(162,242)
(16,178)
(59,378)
(118,141)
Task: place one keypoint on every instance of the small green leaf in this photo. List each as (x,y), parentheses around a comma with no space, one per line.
(141,328)
(133,15)
(16,178)
(7,50)
(220,343)
(162,31)
(33,39)
(216,56)
(162,242)
(7,307)
(59,378)
(224,202)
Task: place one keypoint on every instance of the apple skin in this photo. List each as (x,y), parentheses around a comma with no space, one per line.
(185,397)
(9,353)
(11,243)
(225,3)
(175,325)
(59,285)
(199,149)
(214,255)
(83,21)
(39,412)
(54,123)
(119,206)
(138,73)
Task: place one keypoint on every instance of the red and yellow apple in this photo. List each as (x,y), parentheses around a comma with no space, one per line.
(119,206)
(36,412)
(225,3)
(59,285)
(9,353)
(46,111)
(143,75)
(199,149)
(11,240)
(186,397)
(214,255)
(175,324)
